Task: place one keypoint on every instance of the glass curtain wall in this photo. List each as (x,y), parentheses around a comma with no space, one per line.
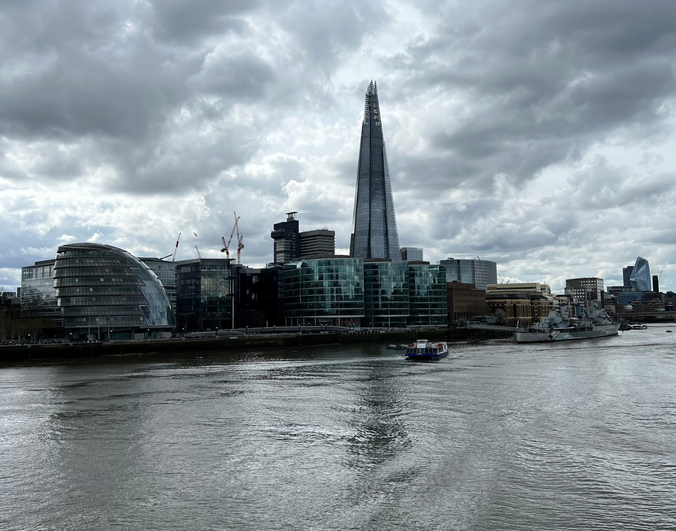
(324,291)
(428,297)
(106,293)
(386,294)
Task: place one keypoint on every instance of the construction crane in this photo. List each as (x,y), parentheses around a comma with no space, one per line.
(173,255)
(226,245)
(198,252)
(240,245)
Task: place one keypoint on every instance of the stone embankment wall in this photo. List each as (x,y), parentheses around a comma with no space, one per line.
(21,353)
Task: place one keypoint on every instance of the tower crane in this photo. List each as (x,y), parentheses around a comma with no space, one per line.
(173,256)
(226,244)
(240,237)
(198,252)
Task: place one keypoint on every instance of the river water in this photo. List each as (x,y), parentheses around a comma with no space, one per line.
(578,435)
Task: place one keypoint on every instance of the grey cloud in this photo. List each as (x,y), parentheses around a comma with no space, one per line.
(186,22)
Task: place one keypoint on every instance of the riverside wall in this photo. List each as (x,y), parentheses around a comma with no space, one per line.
(61,352)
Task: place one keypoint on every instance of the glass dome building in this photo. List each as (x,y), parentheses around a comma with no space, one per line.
(106,293)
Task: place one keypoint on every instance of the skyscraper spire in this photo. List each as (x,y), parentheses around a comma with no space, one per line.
(374,232)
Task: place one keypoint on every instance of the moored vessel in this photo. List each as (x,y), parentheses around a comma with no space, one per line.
(427,350)
(569,323)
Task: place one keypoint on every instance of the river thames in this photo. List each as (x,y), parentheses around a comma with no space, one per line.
(577,435)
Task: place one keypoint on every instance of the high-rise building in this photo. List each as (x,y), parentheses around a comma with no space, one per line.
(581,290)
(477,272)
(287,240)
(412,254)
(626,275)
(640,275)
(319,242)
(374,232)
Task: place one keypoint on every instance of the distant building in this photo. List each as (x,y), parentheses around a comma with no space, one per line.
(206,294)
(374,233)
(582,290)
(427,294)
(477,272)
(520,306)
(106,293)
(286,236)
(319,242)
(386,294)
(626,276)
(290,244)
(412,254)
(640,275)
(656,284)
(528,287)
(38,296)
(261,296)
(324,291)
(464,302)
(166,272)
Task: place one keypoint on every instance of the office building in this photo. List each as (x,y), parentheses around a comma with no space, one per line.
(427,294)
(374,233)
(583,290)
(626,275)
(319,242)
(386,294)
(106,293)
(640,275)
(38,297)
(206,294)
(166,272)
(261,296)
(528,287)
(324,291)
(286,236)
(478,272)
(412,254)
(464,302)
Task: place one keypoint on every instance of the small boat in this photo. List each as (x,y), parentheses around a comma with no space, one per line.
(639,327)
(427,350)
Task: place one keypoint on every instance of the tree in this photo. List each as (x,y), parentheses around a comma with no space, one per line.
(501,316)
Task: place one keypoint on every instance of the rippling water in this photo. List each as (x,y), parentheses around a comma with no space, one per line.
(578,435)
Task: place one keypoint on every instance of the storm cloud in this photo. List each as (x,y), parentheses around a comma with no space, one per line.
(539,135)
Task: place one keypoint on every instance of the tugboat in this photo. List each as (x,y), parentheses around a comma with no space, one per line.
(427,350)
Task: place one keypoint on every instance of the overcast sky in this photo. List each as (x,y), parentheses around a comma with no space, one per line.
(536,134)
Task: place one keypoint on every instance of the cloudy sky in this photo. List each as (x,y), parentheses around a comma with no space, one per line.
(536,134)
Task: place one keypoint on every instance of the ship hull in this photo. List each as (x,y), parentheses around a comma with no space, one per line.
(567,335)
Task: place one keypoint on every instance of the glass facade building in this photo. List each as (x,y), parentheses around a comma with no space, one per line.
(412,254)
(374,233)
(640,275)
(386,294)
(106,293)
(166,272)
(38,298)
(427,294)
(477,272)
(205,293)
(324,291)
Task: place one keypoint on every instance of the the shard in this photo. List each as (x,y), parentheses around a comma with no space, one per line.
(374,229)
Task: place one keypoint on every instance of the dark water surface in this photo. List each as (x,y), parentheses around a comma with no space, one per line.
(578,435)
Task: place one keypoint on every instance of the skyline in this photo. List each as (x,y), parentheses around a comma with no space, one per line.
(532,135)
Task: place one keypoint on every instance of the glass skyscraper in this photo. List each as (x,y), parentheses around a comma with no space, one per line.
(374,232)
(640,275)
